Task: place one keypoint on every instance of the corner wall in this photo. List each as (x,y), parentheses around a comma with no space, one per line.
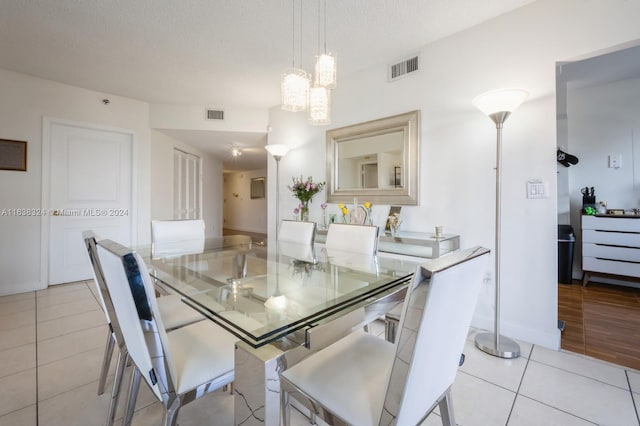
(241,212)
(24,102)
(162,147)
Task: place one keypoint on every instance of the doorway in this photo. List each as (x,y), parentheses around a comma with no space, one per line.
(598,108)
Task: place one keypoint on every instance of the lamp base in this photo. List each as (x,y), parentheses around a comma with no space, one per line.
(507,348)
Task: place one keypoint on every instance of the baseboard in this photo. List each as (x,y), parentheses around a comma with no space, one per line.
(10,289)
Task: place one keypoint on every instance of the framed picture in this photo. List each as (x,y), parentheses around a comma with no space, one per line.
(392,210)
(13,155)
(257,187)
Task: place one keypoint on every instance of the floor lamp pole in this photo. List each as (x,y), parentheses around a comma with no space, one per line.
(495,344)
(277,151)
(277,158)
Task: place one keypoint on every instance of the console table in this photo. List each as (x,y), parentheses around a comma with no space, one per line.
(610,245)
(413,244)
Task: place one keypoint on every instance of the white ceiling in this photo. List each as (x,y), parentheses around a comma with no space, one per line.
(215,52)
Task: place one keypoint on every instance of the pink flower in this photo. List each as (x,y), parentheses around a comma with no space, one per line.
(323,206)
(296,211)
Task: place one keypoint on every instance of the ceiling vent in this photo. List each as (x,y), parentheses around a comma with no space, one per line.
(215,114)
(403,68)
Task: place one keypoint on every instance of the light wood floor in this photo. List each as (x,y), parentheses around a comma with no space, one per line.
(601,321)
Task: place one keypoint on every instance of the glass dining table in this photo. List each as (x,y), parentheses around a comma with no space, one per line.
(282,303)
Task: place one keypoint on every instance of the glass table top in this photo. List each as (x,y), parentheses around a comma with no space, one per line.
(261,294)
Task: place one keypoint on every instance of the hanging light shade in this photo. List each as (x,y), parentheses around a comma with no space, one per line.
(325,75)
(295,90)
(319,101)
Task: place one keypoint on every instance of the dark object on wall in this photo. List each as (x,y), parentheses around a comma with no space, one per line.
(13,155)
(257,188)
(566,159)
(566,243)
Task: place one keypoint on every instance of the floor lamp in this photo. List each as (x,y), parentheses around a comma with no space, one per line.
(498,105)
(277,151)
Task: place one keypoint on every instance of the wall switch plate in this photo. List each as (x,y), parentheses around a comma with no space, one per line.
(615,161)
(537,188)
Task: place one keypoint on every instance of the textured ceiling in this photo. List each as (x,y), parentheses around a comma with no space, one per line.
(215,52)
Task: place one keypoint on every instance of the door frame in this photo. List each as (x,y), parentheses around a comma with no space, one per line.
(47,123)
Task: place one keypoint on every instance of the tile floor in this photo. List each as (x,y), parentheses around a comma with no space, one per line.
(52,341)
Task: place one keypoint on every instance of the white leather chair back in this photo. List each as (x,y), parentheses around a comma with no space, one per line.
(124,282)
(451,295)
(353,238)
(177,236)
(294,231)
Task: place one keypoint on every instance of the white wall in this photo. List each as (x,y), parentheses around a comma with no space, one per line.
(162,147)
(165,116)
(457,150)
(24,102)
(242,213)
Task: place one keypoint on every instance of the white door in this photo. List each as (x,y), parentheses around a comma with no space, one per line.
(187,186)
(90,185)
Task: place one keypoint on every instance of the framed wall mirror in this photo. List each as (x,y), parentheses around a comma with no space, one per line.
(376,161)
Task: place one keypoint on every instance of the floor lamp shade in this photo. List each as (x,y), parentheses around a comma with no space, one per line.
(498,105)
(277,151)
(501,100)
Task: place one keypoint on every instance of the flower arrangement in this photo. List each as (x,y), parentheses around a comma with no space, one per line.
(345,212)
(304,190)
(367,207)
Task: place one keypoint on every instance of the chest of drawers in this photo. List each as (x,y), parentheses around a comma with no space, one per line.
(610,245)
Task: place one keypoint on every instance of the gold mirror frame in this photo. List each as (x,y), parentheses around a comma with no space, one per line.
(409,124)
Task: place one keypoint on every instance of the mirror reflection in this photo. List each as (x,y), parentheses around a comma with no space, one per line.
(377,160)
(373,162)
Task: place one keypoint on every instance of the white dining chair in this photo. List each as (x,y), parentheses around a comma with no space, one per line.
(364,380)
(179,366)
(179,235)
(294,231)
(354,238)
(174,313)
(114,334)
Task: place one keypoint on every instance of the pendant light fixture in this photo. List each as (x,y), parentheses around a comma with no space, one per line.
(319,102)
(295,81)
(320,95)
(325,75)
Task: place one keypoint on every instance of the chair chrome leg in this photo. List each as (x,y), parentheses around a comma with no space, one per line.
(284,408)
(106,362)
(121,364)
(446,409)
(127,416)
(171,413)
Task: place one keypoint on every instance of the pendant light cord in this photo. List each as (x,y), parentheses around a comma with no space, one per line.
(300,63)
(293,34)
(325,25)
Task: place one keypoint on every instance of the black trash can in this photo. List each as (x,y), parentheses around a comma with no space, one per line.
(566,243)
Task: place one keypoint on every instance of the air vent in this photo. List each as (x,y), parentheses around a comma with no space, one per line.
(403,68)
(215,114)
